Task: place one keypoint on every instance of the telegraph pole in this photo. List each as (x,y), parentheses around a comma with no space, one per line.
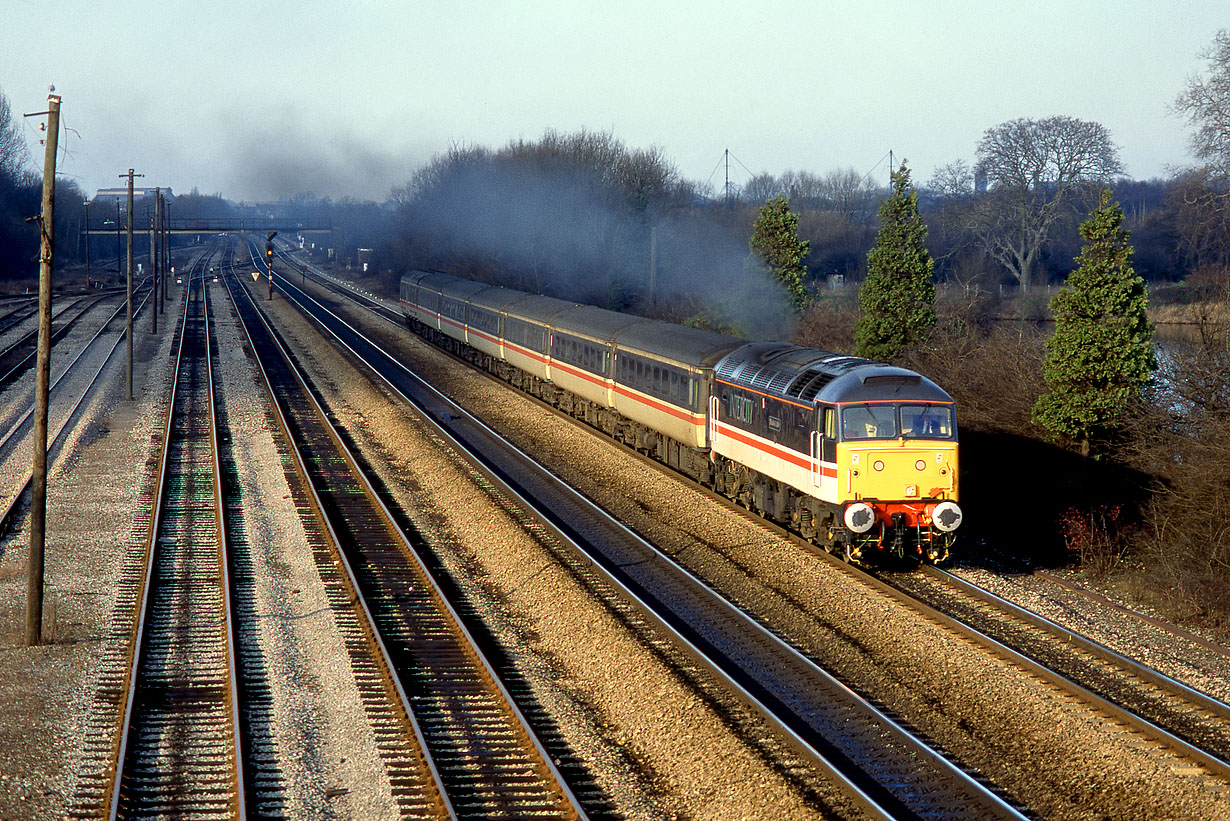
(155,242)
(119,245)
(128,333)
(166,255)
(86,207)
(38,491)
(166,239)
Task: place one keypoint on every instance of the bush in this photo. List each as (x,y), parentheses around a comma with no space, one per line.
(1096,536)
(828,323)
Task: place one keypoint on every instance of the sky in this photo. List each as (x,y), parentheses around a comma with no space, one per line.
(257,100)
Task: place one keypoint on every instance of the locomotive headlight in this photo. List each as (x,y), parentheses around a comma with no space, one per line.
(878,465)
(920,465)
(859,517)
(946,516)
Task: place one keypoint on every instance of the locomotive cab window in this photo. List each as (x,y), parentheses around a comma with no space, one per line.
(888,421)
(869,422)
(830,423)
(926,421)
(828,427)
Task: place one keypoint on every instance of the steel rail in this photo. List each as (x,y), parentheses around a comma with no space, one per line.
(224,546)
(1041,671)
(1092,595)
(1200,700)
(213,701)
(515,713)
(381,652)
(131,674)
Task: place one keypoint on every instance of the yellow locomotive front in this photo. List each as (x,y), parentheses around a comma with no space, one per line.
(897,477)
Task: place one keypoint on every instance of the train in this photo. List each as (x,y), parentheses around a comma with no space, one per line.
(854,455)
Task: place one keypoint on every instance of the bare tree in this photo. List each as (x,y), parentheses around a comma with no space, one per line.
(12,146)
(1206,102)
(761,188)
(1199,203)
(1204,207)
(1035,170)
(851,193)
(955,180)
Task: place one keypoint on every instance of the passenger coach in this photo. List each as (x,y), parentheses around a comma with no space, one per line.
(853,454)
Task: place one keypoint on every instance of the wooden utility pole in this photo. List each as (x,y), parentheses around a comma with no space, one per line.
(86,208)
(42,368)
(155,244)
(166,256)
(128,333)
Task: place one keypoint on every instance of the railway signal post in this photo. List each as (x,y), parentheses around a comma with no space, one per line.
(269,259)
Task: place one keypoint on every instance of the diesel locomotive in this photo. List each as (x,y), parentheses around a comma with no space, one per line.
(852,454)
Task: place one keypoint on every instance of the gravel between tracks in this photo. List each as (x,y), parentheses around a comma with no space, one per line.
(324,743)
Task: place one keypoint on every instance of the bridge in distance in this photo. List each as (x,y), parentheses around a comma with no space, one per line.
(226,225)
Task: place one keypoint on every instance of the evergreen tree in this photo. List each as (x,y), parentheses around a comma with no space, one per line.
(775,242)
(897,298)
(1101,354)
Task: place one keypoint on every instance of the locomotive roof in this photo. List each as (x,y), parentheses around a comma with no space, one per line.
(810,375)
(595,323)
(689,346)
(877,382)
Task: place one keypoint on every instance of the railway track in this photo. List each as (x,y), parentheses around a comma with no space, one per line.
(1192,723)
(464,746)
(18,357)
(180,747)
(18,413)
(884,768)
(14,313)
